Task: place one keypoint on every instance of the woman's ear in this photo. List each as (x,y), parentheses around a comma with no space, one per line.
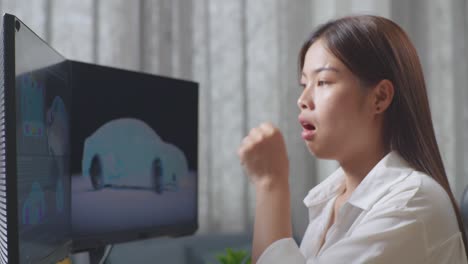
(382,96)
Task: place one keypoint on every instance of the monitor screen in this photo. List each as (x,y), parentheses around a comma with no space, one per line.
(37,105)
(134,156)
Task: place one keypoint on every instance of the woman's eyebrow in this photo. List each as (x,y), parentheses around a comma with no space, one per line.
(326,69)
(316,71)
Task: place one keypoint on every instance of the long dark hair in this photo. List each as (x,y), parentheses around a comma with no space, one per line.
(375,48)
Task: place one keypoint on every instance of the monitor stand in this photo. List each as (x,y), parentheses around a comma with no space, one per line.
(96,254)
(92,256)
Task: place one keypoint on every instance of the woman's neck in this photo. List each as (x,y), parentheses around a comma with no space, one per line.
(358,165)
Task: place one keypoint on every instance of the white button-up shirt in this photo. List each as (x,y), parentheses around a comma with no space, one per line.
(395,215)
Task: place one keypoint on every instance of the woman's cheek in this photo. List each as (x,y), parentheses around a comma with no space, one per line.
(327,108)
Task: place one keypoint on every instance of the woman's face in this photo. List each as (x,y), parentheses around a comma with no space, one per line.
(336,112)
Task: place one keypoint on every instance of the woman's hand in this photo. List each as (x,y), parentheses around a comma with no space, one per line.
(264,157)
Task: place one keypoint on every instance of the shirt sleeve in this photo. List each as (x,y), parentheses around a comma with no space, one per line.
(282,251)
(450,251)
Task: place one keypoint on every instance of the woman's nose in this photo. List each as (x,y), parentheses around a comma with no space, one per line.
(304,101)
(301,104)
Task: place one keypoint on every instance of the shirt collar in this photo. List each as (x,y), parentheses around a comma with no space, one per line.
(389,170)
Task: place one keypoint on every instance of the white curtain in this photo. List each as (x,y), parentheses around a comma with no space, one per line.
(244,55)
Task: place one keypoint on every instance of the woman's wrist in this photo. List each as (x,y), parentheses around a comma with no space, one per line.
(267,184)
(272,213)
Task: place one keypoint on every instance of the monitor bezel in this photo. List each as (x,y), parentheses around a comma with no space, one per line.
(10,23)
(10,137)
(87,243)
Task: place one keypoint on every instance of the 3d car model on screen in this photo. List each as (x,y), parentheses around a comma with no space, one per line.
(174,165)
(128,153)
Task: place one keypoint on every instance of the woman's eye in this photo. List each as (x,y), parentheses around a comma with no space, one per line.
(321,83)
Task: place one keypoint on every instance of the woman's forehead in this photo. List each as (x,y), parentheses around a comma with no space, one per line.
(318,58)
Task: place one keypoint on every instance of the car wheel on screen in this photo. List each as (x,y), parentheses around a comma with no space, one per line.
(156,173)
(95,172)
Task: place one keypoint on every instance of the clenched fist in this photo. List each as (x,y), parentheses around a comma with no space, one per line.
(264,157)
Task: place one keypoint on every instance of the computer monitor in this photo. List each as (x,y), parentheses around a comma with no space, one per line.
(35,103)
(134,156)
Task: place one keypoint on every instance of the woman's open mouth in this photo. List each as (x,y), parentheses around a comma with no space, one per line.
(308,131)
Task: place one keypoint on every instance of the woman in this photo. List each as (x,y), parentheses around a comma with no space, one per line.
(364,104)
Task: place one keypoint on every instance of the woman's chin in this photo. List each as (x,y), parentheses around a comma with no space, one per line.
(313,149)
(319,152)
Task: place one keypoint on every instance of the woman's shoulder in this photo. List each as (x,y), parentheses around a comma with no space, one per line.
(421,197)
(415,189)
(421,190)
